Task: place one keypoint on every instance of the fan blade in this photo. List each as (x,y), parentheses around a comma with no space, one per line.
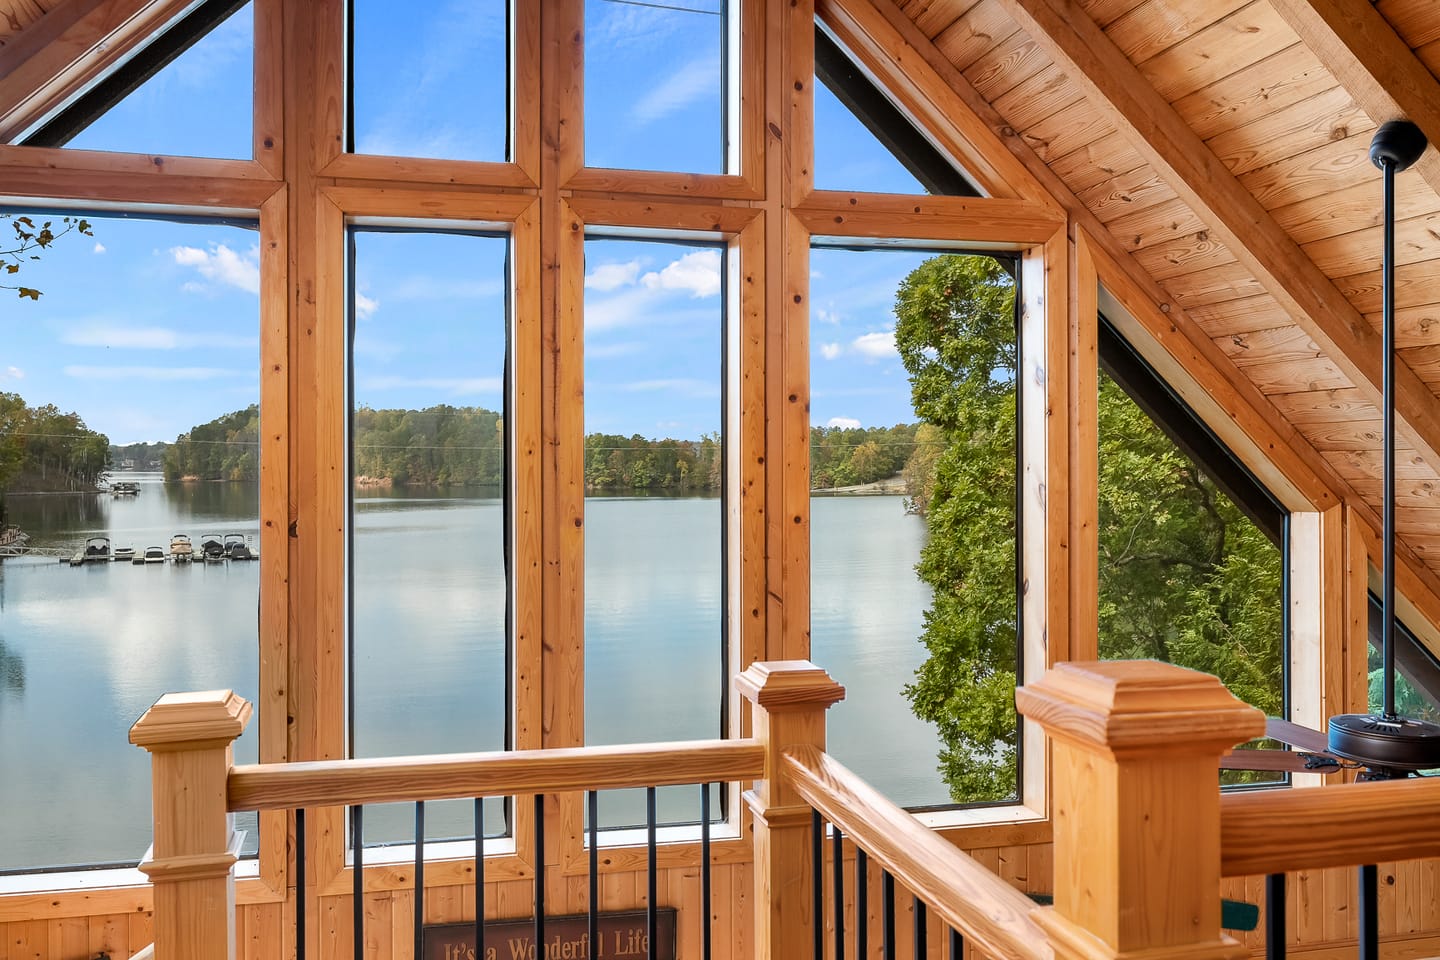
(1286,761)
(1296,735)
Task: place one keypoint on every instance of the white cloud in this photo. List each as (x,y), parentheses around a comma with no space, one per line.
(454,386)
(154,338)
(12,373)
(99,247)
(826,316)
(365,307)
(609,276)
(697,272)
(680,385)
(829,350)
(160,374)
(690,83)
(222,265)
(848,423)
(875,345)
(602,351)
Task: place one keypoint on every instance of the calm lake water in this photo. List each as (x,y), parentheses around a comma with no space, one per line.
(83,651)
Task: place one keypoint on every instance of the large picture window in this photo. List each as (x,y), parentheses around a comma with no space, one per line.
(429,584)
(129,462)
(914,549)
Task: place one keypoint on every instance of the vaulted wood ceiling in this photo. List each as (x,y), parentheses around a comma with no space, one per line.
(1222,144)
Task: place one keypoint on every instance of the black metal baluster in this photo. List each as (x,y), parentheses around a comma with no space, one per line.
(705,869)
(419,879)
(357,879)
(920,931)
(862,906)
(592,803)
(479,876)
(887,914)
(300,884)
(1369,917)
(837,870)
(957,944)
(539,875)
(651,926)
(1275,916)
(817,884)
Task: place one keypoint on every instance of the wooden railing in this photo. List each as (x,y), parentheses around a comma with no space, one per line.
(1141,835)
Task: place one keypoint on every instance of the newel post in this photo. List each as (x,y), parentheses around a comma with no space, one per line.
(189,736)
(1136,807)
(789,699)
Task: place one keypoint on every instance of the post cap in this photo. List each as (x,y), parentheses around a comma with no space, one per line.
(1139,706)
(788,685)
(181,718)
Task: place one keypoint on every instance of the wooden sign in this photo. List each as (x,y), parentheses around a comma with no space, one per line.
(623,936)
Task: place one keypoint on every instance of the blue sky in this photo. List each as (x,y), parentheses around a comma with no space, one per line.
(151,327)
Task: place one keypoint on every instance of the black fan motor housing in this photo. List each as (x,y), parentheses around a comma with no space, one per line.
(1397,743)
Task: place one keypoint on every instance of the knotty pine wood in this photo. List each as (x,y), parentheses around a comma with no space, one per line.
(1040,96)
(1007,65)
(1272,83)
(982,28)
(1252,33)
(1094,163)
(1229,317)
(1412,19)
(933,16)
(1155,25)
(1316,173)
(1283,133)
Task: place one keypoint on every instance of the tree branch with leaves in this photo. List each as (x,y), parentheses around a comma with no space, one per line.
(20,249)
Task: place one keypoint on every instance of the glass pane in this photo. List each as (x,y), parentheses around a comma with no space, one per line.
(655,85)
(433,82)
(428,576)
(129,412)
(912,526)
(1185,576)
(847,155)
(201,104)
(654,643)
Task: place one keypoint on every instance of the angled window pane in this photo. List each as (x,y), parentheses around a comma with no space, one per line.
(655,81)
(429,579)
(433,82)
(200,104)
(1191,548)
(864,142)
(913,533)
(654,638)
(128,415)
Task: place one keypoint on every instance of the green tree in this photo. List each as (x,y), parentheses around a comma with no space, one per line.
(1184,576)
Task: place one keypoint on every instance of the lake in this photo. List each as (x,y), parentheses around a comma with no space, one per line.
(84,650)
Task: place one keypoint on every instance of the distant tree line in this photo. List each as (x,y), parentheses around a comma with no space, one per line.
(43,449)
(847,456)
(226,448)
(438,446)
(464,446)
(141,453)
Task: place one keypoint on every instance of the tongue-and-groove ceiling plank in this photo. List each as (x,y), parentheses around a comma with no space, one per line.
(1373,64)
(1137,102)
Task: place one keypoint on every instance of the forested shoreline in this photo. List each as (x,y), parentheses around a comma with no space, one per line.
(45,450)
(464,446)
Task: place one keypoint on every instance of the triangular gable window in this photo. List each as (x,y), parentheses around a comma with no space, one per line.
(189,92)
(864,142)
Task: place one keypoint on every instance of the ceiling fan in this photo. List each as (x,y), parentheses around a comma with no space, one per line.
(1385,745)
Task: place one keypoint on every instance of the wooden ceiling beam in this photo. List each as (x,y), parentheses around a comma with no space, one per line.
(1121,94)
(1377,68)
(67,49)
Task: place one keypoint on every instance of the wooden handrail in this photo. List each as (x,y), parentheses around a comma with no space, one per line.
(319,783)
(992,915)
(1303,829)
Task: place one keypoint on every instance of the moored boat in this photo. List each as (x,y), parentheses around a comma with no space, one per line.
(154,555)
(124,553)
(236,548)
(181,549)
(124,488)
(212,546)
(97,550)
